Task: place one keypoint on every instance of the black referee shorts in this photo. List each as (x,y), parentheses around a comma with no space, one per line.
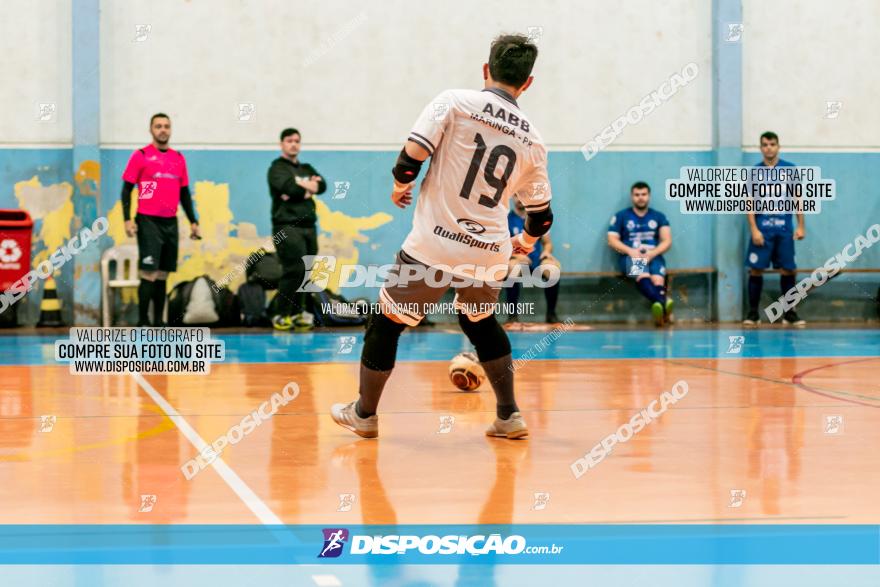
(157,239)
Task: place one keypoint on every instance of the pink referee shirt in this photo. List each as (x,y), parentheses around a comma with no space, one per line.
(158,176)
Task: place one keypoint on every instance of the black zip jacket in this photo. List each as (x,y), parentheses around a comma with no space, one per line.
(296,209)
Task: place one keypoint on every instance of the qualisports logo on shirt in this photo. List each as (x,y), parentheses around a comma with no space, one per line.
(334,541)
(472,226)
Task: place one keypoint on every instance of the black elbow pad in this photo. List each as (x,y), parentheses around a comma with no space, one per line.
(538,223)
(407,169)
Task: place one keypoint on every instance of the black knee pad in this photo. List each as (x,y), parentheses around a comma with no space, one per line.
(487,336)
(380,342)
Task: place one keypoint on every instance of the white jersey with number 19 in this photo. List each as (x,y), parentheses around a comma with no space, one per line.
(483,150)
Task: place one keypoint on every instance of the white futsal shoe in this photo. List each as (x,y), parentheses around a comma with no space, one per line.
(346,416)
(513,427)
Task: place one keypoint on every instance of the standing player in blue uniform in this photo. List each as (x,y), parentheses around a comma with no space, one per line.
(641,235)
(772,239)
(541,254)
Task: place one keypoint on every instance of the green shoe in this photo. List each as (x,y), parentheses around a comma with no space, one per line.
(657,312)
(303,321)
(282,322)
(669,305)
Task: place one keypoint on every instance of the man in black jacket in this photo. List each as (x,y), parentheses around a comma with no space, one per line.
(292,185)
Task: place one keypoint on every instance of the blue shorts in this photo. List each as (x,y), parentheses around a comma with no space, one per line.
(778,248)
(657,266)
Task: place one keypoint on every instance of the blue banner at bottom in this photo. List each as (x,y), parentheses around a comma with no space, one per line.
(762,544)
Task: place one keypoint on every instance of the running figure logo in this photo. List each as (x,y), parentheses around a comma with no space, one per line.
(319,268)
(334,540)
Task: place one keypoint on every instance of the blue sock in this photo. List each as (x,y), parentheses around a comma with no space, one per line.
(756,284)
(648,290)
(661,293)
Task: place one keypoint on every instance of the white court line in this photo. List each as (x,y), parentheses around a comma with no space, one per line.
(245,493)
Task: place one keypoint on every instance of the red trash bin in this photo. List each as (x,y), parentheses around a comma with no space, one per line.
(16,228)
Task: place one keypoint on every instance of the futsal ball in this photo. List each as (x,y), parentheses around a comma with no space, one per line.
(465,372)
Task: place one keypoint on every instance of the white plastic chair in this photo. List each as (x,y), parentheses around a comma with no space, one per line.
(125,261)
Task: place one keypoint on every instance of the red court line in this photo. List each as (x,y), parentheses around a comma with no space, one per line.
(798,380)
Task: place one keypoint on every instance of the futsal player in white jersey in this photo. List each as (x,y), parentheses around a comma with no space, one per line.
(483,149)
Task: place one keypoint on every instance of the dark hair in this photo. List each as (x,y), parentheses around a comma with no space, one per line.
(770,136)
(288,132)
(640,185)
(158,115)
(511,58)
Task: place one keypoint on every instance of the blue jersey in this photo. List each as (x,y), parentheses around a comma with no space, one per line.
(517,224)
(638,232)
(774,222)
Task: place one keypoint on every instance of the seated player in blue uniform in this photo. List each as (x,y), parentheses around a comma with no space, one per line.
(772,239)
(641,235)
(542,254)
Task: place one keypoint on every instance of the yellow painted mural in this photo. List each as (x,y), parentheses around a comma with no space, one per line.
(225,245)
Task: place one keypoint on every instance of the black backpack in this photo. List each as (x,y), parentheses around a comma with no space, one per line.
(266,270)
(331,309)
(252,299)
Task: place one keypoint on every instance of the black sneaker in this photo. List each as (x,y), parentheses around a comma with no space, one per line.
(552,318)
(793,319)
(752,318)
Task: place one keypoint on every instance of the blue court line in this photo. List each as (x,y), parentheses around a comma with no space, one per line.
(763,544)
(421,345)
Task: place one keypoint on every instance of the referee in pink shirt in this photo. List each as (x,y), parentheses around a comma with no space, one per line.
(159,173)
